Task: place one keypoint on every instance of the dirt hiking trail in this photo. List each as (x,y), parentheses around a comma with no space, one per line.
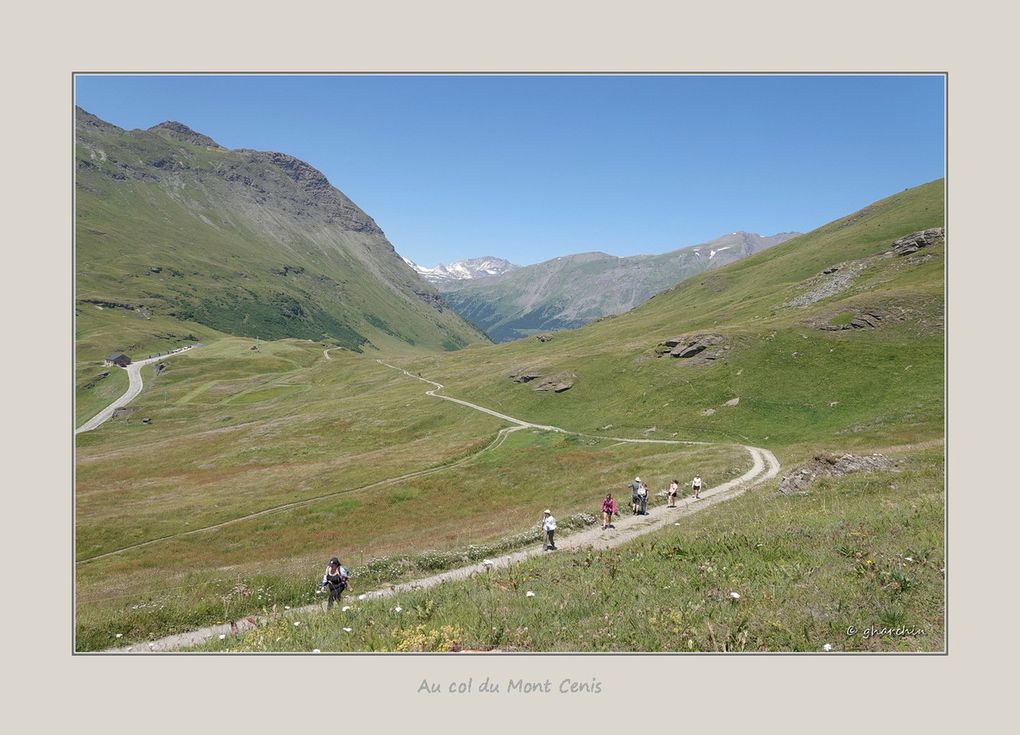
(764,467)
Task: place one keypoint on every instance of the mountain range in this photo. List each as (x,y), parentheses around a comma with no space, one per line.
(173,229)
(446,277)
(508,302)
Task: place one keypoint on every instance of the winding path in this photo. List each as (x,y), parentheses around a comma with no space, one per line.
(134,371)
(764,467)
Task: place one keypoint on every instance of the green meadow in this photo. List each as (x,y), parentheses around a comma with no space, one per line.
(263,459)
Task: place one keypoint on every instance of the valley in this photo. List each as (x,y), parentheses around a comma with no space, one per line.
(338,405)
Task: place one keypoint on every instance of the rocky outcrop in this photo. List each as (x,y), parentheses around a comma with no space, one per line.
(544,337)
(525,376)
(318,195)
(693,346)
(917,240)
(558,383)
(432,298)
(828,283)
(830,465)
(183,132)
(861,320)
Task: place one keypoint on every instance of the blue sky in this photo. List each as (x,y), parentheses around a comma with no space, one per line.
(533,167)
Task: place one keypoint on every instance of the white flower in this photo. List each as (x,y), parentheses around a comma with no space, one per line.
(397,609)
(908,558)
(529,594)
(120,635)
(223,636)
(297,623)
(362,597)
(735,595)
(827,647)
(348,630)
(286,607)
(345,608)
(316,650)
(488,562)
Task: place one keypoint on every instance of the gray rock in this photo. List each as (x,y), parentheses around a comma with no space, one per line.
(917,240)
(829,465)
(831,282)
(691,346)
(557,383)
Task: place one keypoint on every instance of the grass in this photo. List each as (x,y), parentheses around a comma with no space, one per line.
(96,387)
(863,552)
(322,444)
(292,452)
(168,230)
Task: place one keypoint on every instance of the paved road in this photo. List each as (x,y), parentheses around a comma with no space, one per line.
(134,371)
(764,467)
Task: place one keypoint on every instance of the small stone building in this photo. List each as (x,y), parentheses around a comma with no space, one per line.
(119,359)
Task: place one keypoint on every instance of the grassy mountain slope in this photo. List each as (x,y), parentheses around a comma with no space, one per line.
(173,226)
(797,382)
(856,565)
(235,434)
(568,292)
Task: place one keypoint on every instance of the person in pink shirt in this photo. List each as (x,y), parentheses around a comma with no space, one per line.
(608,510)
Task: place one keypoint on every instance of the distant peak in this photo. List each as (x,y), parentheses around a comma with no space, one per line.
(83,117)
(180,131)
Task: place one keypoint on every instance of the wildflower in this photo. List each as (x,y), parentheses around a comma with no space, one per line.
(735,595)
(316,650)
(345,608)
(297,623)
(827,647)
(120,635)
(908,558)
(223,636)
(362,597)
(287,607)
(488,562)
(529,593)
(397,609)
(348,630)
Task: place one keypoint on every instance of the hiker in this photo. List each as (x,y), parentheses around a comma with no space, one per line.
(549,528)
(634,502)
(643,498)
(336,579)
(608,510)
(696,486)
(671,495)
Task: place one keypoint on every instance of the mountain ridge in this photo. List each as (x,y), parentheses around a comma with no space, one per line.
(252,243)
(571,290)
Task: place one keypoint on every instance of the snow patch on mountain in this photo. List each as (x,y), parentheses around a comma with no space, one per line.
(463,270)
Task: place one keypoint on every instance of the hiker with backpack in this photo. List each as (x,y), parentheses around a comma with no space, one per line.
(548,529)
(608,510)
(696,486)
(643,499)
(336,580)
(635,503)
(671,495)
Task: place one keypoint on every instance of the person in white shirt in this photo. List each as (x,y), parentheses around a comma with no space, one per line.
(549,528)
(696,486)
